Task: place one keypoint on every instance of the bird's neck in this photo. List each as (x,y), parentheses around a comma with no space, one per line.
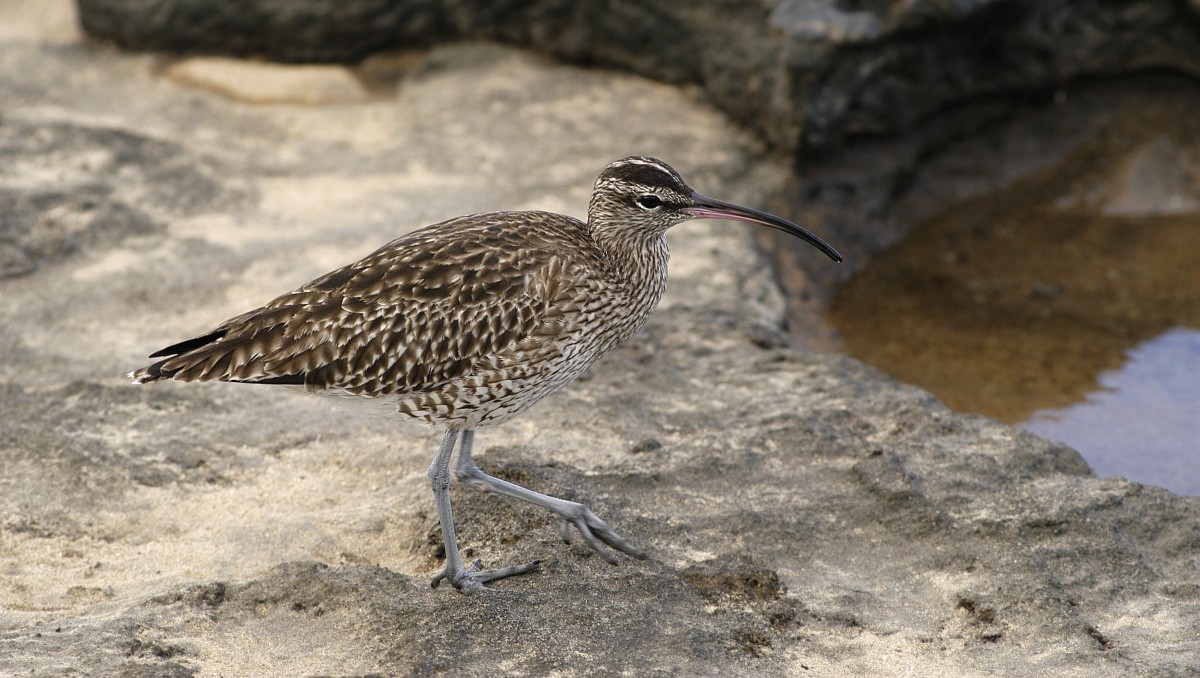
(636,263)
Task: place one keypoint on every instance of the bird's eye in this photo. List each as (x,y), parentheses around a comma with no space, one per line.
(648,201)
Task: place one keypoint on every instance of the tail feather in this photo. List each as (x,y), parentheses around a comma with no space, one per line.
(218,356)
(150,373)
(189,345)
(155,372)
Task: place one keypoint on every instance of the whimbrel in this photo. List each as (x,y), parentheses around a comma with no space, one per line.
(471,321)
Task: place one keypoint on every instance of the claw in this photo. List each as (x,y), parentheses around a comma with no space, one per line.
(595,531)
(472,578)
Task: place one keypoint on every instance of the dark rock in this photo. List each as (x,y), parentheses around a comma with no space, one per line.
(312,30)
(802,73)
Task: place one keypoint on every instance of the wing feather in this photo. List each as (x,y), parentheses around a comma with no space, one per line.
(424,309)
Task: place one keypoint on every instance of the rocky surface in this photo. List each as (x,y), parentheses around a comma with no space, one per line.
(859,94)
(805,514)
(811,72)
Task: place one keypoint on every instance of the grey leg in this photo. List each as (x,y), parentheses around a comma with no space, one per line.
(469,579)
(593,529)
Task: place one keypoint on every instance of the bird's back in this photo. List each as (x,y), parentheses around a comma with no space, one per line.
(466,318)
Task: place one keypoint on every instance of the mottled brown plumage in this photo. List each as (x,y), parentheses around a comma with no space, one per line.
(471,321)
(457,321)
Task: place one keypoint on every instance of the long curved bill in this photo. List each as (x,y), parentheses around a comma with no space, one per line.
(704,207)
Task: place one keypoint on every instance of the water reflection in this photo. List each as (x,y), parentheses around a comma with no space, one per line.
(1059,294)
(1155,397)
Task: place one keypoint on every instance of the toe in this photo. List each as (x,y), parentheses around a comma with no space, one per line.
(471,578)
(596,532)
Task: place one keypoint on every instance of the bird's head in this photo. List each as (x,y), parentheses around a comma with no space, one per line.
(639,198)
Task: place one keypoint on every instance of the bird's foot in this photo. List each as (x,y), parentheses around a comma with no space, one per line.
(595,531)
(471,579)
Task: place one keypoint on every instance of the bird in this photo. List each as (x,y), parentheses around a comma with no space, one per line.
(469,322)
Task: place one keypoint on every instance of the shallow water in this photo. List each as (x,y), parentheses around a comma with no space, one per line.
(1144,421)
(1067,301)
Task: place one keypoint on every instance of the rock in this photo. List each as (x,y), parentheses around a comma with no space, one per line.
(805,514)
(313,30)
(263,83)
(68,188)
(803,73)
(860,94)
(53,23)
(1121,147)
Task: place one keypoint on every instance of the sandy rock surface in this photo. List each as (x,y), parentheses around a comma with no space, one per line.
(805,515)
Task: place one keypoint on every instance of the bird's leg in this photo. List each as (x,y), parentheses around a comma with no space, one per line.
(593,529)
(466,579)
